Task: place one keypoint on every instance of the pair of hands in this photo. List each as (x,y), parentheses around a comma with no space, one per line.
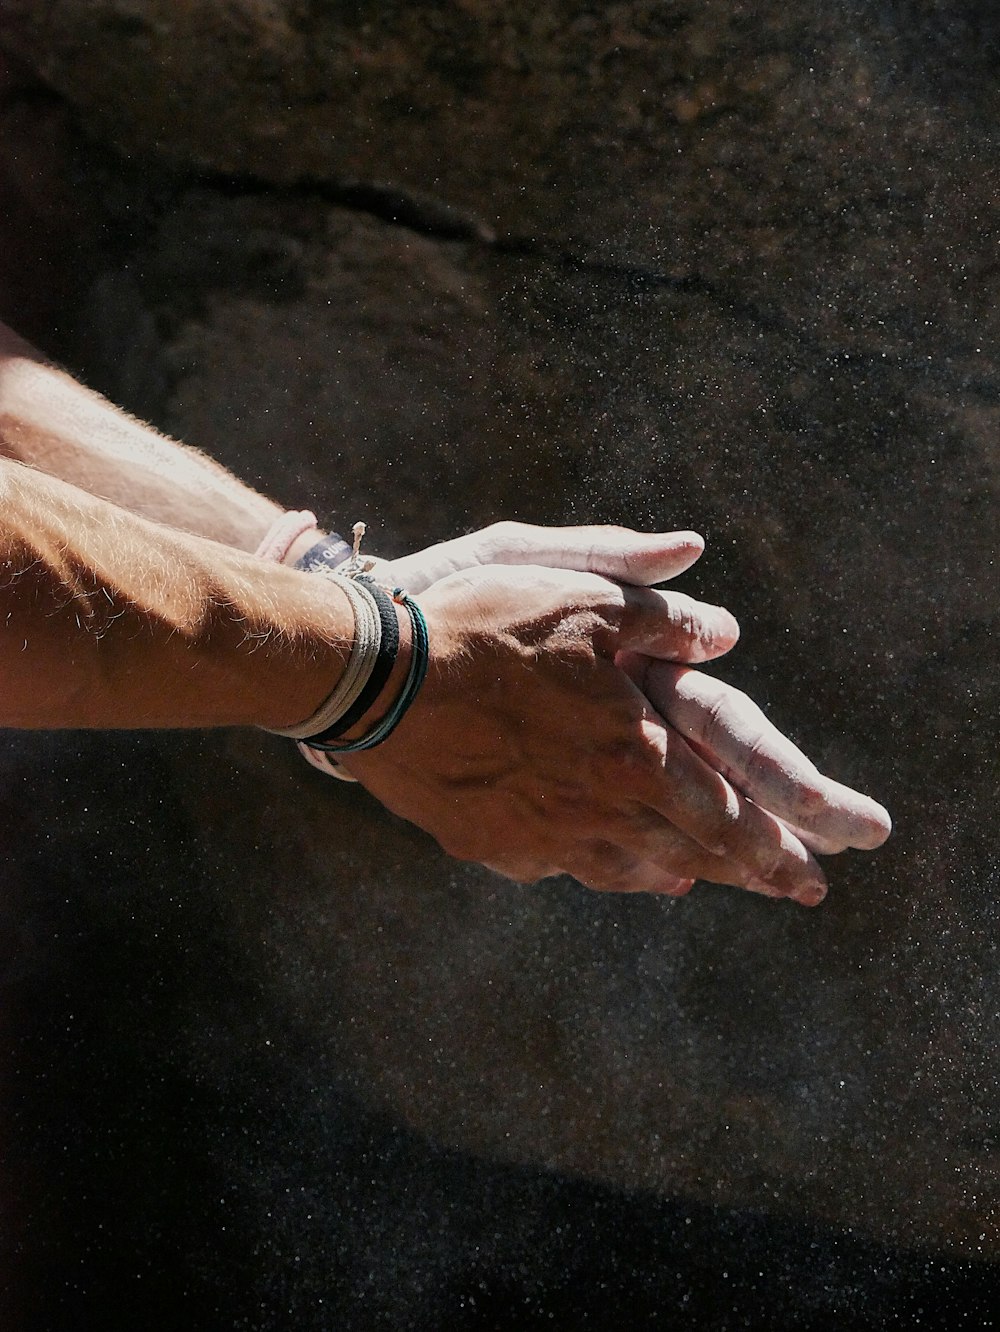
(561,728)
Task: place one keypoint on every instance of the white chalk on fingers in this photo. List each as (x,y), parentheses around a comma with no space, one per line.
(637,558)
(871,822)
(671,626)
(762,762)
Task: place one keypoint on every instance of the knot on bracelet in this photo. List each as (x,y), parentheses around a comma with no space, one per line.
(374,647)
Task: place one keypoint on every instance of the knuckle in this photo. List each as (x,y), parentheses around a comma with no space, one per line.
(753,841)
(722,706)
(636,754)
(674,754)
(765,771)
(603,866)
(682,615)
(769,860)
(605,539)
(684,864)
(609,534)
(737,699)
(732,840)
(505,536)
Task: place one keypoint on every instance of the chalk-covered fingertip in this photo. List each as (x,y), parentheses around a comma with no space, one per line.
(720,632)
(671,553)
(685,547)
(729,626)
(876,827)
(692,540)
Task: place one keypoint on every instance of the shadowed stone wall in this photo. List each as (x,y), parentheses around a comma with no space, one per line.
(720,266)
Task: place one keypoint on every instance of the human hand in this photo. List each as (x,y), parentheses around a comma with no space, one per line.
(758,760)
(531,751)
(637,558)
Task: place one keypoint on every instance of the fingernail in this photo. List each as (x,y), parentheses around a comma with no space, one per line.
(810,896)
(678,887)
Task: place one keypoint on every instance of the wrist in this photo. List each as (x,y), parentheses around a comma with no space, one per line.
(380,681)
(306,650)
(393,686)
(389,652)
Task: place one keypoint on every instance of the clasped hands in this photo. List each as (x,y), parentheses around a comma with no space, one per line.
(562,729)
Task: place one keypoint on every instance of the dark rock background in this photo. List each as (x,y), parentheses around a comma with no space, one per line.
(273,1061)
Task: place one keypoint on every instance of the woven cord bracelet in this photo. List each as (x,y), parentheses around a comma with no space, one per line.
(419,655)
(374,649)
(387,654)
(361,665)
(283,533)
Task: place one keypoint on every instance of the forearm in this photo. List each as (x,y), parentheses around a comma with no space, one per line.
(51,422)
(109,620)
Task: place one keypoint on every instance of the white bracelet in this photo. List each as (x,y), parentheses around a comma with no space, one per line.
(361,663)
(283,534)
(326,763)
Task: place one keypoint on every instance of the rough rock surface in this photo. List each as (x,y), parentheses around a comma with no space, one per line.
(726,267)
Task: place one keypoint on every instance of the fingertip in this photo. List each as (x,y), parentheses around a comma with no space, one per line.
(811,896)
(677,887)
(877,827)
(664,555)
(687,540)
(720,635)
(729,628)
(859,821)
(684,549)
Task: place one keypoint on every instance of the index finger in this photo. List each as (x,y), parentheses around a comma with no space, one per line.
(637,558)
(730,729)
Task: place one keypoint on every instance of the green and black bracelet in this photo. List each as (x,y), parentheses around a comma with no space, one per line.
(419,656)
(387,654)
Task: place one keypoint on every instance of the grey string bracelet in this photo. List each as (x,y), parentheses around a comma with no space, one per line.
(419,657)
(360,666)
(373,652)
(387,653)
